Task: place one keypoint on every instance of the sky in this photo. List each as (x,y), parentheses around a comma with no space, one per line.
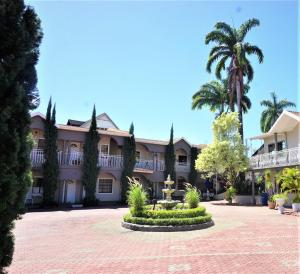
(141,61)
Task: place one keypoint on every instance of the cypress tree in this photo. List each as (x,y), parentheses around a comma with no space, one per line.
(50,166)
(20,36)
(170,158)
(193,171)
(90,162)
(129,160)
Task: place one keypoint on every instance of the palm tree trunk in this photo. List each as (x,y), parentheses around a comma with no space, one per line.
(239,92)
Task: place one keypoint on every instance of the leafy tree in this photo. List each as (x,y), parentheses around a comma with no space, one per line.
(170,157)
(273,111)
(20,36)
(227,154)
(50,166)
(193,171)
(215,96)
(90,162)
(129,160)
(233,49)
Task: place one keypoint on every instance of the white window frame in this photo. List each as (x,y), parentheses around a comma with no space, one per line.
(107,149)
(112,186)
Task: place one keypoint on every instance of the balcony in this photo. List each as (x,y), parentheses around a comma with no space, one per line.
(282,158)
(182,166)
(75,159)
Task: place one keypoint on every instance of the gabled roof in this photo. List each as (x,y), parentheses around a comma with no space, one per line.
(99,118)
(286,122)
(37,114)
(75,123)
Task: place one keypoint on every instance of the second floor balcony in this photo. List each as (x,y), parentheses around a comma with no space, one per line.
(282,158)
(75,159)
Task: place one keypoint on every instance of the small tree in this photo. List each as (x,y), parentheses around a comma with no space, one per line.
(50,166)
(90,162)
(170,158)
(227,154)
(193,171)
(129,160)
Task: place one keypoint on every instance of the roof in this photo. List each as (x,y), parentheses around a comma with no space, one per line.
(37,114)
(98,117)
(75,123)
(286,122)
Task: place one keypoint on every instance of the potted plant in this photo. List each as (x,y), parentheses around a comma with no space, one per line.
(280,200)
(290,183)
(230,193)
(271,202)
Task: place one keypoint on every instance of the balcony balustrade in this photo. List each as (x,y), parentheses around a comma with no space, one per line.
(75,158)
(280,158)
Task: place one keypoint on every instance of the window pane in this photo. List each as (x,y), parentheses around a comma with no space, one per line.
(104,149)
(105,186)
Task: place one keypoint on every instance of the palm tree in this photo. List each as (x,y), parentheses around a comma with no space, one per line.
(215,96)
(273,111)
(231,48)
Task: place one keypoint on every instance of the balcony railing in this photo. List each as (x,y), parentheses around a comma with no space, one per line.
(280,158)
(182,166)
(75,158)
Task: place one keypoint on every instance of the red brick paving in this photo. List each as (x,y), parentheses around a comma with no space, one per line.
(243,240)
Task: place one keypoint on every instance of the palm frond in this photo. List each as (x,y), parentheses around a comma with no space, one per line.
(246,27)
(266,103)
(221,66)
(224,27)
(250,49)
(249,71)
(215,57)
(218,37)
(286,104)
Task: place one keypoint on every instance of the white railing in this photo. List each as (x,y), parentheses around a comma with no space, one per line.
(113,161)
(280,158)
(182,166)
(37,157)
(75,158)
(144,164)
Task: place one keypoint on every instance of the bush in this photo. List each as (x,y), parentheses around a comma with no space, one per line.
(165,222)
(136,197)
(175,213)
(192,197)
(230,193)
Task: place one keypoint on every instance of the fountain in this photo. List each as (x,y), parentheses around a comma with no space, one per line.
(168,203)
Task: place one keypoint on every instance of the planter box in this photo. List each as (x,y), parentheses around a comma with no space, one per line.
(246,199)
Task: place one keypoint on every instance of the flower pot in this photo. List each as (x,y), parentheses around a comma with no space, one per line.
(280,202)
(280,209)
(296,207)
(271,204)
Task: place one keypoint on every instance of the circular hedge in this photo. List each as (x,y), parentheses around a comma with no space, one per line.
(181,219)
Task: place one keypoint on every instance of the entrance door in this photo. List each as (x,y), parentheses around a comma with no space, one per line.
(71,188)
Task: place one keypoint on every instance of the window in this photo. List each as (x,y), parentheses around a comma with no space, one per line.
(37,185)
(271,147)
(137,155)
(182,159)
(105,185)
(180,183)
(104,149)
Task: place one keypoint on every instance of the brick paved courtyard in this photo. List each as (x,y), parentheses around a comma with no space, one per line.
(243,240)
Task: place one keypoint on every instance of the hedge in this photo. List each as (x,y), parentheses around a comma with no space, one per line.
(176,213)
(166,222)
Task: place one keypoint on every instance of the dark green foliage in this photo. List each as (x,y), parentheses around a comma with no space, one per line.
(20,36)
(273,110)
(170,158)
(51,165)
(193,171)
(129,160)
(174,213)
(90,163)
(170,221)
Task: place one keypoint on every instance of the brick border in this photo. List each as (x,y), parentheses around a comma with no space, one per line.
(153,228)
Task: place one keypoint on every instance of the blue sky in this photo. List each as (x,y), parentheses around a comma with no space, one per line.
(142,61)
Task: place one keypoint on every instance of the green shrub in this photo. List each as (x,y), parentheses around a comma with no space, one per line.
(175,213)
(192,196)
(136,197)
(165,222)
(230,193)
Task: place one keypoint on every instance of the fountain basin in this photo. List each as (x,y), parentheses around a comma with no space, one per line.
(168,204)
